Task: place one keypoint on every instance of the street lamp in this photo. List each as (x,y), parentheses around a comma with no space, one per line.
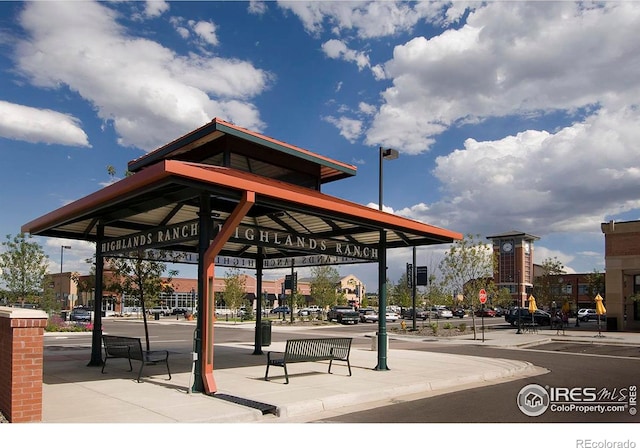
(385,154)
(62,248)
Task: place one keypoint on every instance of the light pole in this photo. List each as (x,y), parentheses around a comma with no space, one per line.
(62,248)
(388,154)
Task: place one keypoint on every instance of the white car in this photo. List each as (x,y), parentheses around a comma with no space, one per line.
(391,316)
(441,312)
(368,315)
(587,314)
(164,310)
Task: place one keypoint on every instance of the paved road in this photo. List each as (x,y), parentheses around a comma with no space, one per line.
(570,365)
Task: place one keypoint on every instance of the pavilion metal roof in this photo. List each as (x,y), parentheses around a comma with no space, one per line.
(225,144)
(169,192)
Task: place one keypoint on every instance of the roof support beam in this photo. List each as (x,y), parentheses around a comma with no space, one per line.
(227,230)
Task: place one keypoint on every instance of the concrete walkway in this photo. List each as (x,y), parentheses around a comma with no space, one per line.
(75,393)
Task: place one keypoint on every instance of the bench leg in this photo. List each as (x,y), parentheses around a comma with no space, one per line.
(286,374)
(348,365)
(140,371)
(266,374)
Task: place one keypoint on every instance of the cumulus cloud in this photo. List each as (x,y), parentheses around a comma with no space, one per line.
(350,128)
(30,124)
(368,19)
(206,31)
(155,8)
(337,49)
(136,83)
(552,182)
(509,59)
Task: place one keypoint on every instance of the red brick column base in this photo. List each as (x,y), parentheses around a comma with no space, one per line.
(21,359)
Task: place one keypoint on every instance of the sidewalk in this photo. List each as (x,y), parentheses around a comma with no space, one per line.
(75,393)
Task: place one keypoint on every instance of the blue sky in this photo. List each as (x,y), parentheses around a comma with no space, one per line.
(507,115)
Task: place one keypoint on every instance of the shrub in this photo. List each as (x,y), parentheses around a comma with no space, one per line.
(462,327)
(447,326)
(434,327)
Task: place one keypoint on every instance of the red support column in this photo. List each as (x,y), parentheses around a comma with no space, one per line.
(21,363)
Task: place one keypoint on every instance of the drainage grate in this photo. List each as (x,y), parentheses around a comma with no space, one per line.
(263,407)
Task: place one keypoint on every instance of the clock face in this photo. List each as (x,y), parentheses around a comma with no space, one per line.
(507,247)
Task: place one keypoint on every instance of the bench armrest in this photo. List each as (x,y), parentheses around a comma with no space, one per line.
(269,355)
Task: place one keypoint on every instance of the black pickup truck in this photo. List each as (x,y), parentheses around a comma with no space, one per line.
(343,315)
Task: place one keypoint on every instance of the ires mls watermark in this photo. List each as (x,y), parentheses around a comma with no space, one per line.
(534,400)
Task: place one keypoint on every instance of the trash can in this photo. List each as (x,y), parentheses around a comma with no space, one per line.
(156,316)
(265,332)
(63,315)
(612,324)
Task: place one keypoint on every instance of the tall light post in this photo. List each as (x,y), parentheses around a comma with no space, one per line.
(62,248)
(388,154)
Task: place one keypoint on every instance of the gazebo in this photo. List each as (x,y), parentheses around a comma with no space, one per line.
(222,192)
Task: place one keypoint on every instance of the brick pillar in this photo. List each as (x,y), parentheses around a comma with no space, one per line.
(21,361)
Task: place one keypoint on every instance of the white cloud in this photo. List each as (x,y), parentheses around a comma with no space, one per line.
(206,31)
(337,49)
(509,59)
(369,19)
(350,128)
(257,7)
(18,122)
(544,182)
(134,82)
(155,8)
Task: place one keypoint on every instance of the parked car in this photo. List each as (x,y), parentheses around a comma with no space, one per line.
(164,310)
(281,309)
(459,312)
(80,315)
(500,311)
(343,315)
(407,313)
(539,317)
(311,309)
(368,315)
(391,316)
(486,312)
(178,311)
(439,312)
(587,314)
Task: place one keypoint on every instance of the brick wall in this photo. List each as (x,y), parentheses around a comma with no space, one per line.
(21,362)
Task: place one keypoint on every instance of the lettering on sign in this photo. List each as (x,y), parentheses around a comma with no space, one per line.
(188,231)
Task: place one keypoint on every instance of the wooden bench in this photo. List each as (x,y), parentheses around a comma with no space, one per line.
(310,350)
(131,348)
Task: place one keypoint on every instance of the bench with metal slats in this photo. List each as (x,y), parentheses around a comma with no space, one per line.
(310,350)
(131,348)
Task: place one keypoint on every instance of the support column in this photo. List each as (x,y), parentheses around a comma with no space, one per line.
(96,334)
(21,363)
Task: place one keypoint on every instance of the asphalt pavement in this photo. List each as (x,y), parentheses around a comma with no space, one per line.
(76,393)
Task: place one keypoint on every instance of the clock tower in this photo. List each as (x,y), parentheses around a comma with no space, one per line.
(514,268)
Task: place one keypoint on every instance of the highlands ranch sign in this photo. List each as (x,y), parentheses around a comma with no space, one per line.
(189,231)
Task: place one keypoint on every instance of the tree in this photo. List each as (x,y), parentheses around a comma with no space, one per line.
(595,283)
(24,267)
(140,276)
(401,294)
(234,289)
(324,280)
(467,268)
(547,287)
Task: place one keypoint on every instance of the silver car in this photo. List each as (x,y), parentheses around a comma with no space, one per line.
(441,312)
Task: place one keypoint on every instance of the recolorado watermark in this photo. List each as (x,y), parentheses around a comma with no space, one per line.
(534,400)
(589,443)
